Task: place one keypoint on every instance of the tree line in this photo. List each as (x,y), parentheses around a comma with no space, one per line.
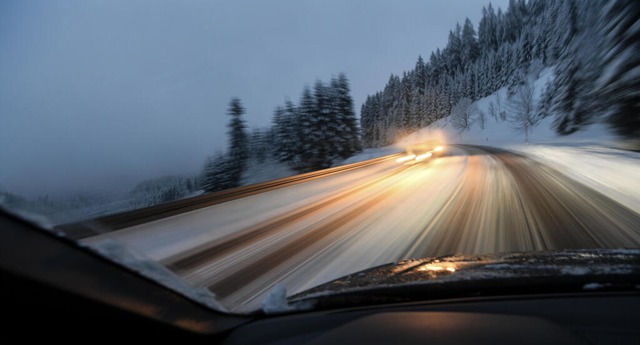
(318,131)
(593,45)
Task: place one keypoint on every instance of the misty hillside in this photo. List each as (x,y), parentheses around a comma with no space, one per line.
(592,46)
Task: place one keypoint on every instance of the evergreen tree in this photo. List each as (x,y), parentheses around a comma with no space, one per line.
(453,52)
(470,50)
(238,148)
(287,128)
(258,145)
(416,109)
(543,109)
(618,88)
(322,135)
(217,174)
(225,171)
(307,113)
(281,134)
(420,75)
(348,133)
(551,47)
(366,122)
(565,85)
(594,57)
(487,30)
(296,149)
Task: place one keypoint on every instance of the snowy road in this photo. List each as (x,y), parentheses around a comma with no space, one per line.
(473,201)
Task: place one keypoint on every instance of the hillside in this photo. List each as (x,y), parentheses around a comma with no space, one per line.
(594,155)
(588,50)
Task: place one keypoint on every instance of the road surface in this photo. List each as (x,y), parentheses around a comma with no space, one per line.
(473,200)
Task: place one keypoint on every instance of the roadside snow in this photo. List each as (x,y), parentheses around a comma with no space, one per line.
(266,170)
(372,153)
(590,156)
(614,173)
(269,169)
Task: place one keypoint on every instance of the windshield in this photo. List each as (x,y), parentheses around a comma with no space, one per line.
(245,151)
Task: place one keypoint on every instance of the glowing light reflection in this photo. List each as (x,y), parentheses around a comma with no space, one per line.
(438,267)
(405,158)
(423,156)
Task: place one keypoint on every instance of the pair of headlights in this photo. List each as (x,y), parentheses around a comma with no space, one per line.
(420,157)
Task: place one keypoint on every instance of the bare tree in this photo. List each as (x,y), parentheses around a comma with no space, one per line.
(522,110)
(493,110)
(461,114)
(501,113)
(480,115)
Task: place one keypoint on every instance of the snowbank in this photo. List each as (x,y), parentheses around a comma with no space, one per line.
(267,170)
(589,156)
(613,172)
(372,153)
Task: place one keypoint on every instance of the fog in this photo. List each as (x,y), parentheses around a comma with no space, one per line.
(98,95)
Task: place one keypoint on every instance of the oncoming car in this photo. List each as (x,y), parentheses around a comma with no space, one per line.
(422,151)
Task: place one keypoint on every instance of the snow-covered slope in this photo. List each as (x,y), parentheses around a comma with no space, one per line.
(267,170)
(499,132)
(591,156)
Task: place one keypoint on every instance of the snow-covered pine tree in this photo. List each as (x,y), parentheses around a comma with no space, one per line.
(524,56)
(565,85)
(550,33)
(453,51)
(470,49)
(366,122)
(225,171)
(287,128)
(238,141)
(381,120)
(543,108)
(487,30)
(321,135)
(618,87)
(258,145)
(416,108)
(515,18)
(280,131)
(348,132)
(420,75)
(308,121)
(296,141)
(217,174)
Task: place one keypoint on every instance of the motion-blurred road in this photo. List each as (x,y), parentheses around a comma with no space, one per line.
(472,200)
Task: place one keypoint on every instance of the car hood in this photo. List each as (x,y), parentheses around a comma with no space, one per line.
(481,275)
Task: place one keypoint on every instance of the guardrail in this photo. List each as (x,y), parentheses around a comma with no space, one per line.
(114,222)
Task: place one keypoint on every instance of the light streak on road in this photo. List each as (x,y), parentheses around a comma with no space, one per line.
(405,158)
(423,156)
(469,201)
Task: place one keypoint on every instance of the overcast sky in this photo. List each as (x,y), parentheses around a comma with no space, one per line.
(97,95)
